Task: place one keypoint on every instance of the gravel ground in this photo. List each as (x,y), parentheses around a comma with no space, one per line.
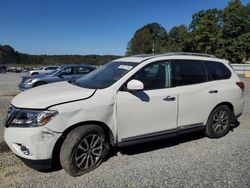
(8,89)
(187,161)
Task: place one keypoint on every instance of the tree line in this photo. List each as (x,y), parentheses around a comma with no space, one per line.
(222,32)
(8,55)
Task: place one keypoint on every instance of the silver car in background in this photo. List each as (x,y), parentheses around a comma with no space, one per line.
(65,73)
(43,71)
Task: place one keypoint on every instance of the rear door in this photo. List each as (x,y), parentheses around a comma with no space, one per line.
(198,92)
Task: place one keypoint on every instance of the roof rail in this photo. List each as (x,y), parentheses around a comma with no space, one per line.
(189,53)
(142,55)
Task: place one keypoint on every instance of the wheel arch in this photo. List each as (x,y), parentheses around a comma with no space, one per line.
(106,128)
(34,73)
(57,147)
(228,104)
(35,84)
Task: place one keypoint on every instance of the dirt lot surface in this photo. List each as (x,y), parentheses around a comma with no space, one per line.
(187,161)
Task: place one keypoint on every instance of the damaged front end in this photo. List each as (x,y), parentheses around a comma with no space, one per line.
(27,135)
(44,143)
(34,144)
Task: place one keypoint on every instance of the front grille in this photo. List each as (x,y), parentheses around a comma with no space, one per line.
(11,114)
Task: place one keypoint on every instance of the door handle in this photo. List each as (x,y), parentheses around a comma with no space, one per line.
(213,91)
(169,98)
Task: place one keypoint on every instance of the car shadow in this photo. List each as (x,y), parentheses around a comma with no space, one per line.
(156,145)
(143,147)
(235,125)
(137,148)
(141,95)
(4,147)
(163,143)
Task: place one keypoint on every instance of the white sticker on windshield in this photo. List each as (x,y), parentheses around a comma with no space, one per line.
(126,67)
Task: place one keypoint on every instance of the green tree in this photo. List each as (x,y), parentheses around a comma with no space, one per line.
(8,55)
(151,38)
(177,37)
(204,31)
(236,32)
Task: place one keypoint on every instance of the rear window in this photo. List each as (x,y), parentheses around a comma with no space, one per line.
(217,71)
(51,68)
(82,70)
(186,72)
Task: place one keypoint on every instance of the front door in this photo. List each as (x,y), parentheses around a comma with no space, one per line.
(151,112)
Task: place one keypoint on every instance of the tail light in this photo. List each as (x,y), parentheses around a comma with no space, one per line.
(241,85)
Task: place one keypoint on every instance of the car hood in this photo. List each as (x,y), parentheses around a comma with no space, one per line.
(51,94)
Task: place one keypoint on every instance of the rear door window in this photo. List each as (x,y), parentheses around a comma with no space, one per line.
(82,70)
(187,72)
(217,71)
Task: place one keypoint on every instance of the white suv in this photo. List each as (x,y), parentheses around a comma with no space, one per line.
(128,101)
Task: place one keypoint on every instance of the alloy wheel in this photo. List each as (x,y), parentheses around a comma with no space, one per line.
(89,152)
(220,121)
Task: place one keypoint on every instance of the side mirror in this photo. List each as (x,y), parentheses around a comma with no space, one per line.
(135,85)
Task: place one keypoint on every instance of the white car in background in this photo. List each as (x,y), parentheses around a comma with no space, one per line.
(128,101)
(45,70)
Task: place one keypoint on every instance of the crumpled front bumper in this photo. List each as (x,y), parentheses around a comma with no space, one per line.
(40,142)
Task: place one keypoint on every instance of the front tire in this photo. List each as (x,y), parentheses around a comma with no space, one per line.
(219,122)
(83,150)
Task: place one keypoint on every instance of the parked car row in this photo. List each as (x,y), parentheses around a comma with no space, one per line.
(29,69)
(3,69)
(44,70)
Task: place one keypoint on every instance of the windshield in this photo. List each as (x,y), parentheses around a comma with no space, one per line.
(52,72)
(106,75)
(58,71)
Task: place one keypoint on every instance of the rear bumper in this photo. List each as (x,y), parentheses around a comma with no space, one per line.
(45,164)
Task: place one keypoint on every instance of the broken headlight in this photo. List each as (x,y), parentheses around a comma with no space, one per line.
(31,118)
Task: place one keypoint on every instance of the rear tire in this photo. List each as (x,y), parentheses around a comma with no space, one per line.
(219,122)
(83,150)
